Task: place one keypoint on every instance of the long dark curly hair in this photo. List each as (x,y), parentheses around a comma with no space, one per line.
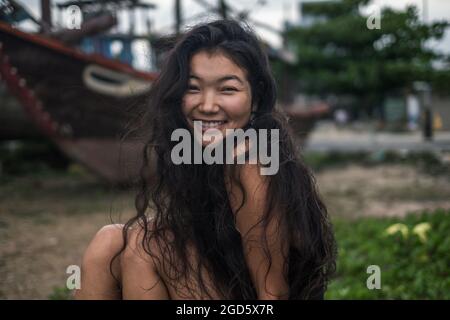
(191,201)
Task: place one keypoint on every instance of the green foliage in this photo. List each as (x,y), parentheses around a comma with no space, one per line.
(340,55)
(425,161)
(412,267)
(332,9)
(60,293)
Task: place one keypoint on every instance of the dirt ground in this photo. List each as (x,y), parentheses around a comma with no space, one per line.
(385,190)
(46,222)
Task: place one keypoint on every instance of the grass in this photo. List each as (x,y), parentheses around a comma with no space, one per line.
(411,267)
(61,293)
(42,195)
(425,161)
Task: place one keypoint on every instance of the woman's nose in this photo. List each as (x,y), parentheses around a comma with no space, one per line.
(208,103)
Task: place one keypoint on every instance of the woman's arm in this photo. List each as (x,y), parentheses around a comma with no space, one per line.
(274,286)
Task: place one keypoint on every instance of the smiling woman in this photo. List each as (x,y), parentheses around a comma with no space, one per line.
(215,231)
(219,94)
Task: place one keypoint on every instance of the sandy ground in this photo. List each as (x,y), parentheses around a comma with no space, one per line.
(47,222)
(387,190)
(45,226)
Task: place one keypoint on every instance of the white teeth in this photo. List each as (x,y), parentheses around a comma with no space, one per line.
(212,124)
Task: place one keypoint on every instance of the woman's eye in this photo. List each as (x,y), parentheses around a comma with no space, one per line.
(229,89)
(193,88)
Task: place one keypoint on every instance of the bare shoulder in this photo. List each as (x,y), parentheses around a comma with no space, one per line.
(108,272)
(139,244)
(139,265)
(109,241)
(106,241)
(97,281)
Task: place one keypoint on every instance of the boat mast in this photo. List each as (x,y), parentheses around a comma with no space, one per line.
(46,15)
(178,16)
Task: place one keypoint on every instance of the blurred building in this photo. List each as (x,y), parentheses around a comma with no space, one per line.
(399,109)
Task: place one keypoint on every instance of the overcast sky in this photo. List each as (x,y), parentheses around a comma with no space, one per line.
(274,12)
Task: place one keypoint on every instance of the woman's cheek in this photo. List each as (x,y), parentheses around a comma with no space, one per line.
(239,106)
(187,104)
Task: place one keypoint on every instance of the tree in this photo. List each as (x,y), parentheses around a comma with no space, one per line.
(340,55)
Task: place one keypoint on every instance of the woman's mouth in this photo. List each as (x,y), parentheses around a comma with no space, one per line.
(205,125)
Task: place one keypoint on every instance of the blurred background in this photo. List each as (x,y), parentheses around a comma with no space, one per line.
(366,86)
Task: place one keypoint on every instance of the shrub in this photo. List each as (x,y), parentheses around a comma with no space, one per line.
(414,264)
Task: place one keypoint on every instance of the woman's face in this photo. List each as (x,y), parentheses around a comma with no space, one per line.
(218,93)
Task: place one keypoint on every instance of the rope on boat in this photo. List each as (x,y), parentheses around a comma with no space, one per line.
(113,83)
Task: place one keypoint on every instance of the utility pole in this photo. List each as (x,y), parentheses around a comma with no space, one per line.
(178,16)
(426,93)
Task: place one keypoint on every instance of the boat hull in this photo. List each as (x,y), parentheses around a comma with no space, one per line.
(82,102)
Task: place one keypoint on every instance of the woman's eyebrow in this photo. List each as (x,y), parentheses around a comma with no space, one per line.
(230,77)
(222,79)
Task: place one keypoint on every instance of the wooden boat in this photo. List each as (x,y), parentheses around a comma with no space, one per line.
(82,102)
